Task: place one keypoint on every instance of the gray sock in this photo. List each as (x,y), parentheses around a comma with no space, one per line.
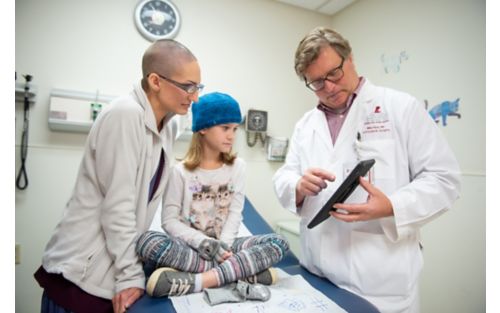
(236,292)
(225,294)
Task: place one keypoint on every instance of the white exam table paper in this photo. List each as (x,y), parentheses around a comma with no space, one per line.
(290,294)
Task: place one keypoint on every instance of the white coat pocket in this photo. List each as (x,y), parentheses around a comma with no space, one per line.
(384,153)
(380,267)
(311,246)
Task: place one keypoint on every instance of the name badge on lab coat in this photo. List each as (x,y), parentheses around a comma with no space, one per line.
(376,125)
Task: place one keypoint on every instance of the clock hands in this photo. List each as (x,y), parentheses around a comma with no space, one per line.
(157,17)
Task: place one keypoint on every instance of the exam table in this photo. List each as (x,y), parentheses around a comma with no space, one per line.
(290,264)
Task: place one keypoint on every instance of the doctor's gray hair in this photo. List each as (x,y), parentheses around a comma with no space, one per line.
(310,46)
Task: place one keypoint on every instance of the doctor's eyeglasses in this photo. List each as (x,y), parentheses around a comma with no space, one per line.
(333,76)
(190,88)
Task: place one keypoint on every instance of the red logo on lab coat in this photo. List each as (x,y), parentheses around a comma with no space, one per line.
(377,109)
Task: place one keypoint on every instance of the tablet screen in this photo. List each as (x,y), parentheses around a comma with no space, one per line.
(343,192)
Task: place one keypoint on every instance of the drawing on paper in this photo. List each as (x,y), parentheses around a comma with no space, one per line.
(392,63)
(443,110)
(293,305)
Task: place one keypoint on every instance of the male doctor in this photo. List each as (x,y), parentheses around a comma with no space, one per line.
(371,246)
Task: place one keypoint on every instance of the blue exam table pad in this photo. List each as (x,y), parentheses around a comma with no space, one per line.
(290,264)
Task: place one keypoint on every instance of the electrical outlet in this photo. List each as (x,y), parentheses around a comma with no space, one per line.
(18,253)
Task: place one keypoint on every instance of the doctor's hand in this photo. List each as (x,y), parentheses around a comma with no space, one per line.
(311,183)
(377,206)
(125,298)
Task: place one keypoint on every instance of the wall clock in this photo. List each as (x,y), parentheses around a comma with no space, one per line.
(157,19)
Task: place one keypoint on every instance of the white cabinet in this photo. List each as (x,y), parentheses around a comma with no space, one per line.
(291,230)
(74,111)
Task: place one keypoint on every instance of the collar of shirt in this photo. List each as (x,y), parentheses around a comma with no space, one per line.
(334,118)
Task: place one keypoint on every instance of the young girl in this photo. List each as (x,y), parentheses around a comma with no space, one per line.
(202,212)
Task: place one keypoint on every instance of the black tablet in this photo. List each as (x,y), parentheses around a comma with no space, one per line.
(343,192)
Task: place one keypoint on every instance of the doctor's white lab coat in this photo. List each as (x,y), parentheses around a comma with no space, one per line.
(379,259)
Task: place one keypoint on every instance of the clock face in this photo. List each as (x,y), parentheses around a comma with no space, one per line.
(157,19)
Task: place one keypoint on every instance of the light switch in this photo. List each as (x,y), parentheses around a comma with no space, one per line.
(18,253)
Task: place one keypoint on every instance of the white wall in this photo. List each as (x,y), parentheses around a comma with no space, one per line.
(245,48)
(446,44)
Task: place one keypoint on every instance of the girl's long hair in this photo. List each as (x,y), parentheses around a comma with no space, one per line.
(195,154)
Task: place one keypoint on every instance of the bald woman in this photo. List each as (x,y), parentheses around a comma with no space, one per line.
(89,264)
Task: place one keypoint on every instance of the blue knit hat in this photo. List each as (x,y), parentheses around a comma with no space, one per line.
(214,109)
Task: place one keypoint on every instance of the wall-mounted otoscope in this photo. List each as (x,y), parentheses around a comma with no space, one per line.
(22,176)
